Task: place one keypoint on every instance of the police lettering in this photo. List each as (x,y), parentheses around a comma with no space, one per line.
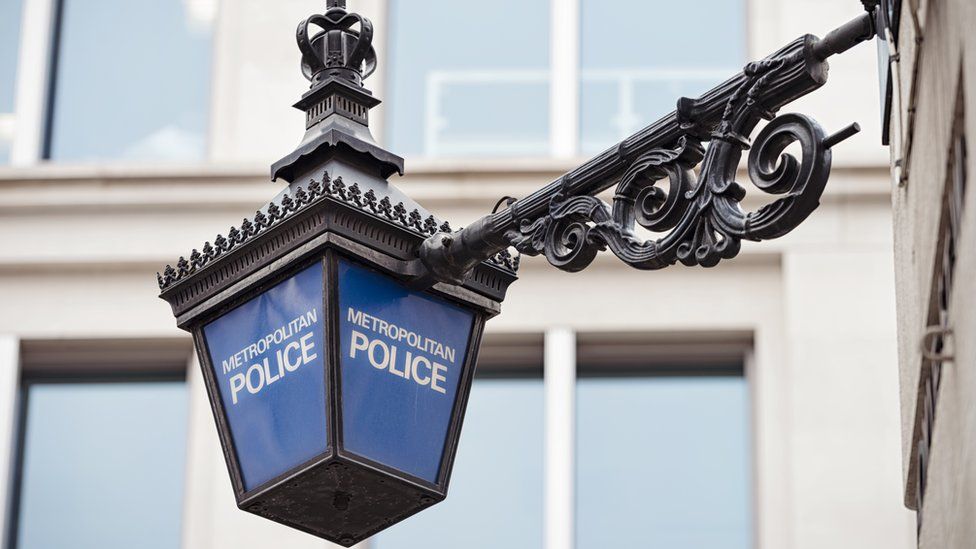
(288,359)
(384,356)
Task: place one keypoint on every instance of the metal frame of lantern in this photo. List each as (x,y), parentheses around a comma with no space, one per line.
(321,224)
(436,491)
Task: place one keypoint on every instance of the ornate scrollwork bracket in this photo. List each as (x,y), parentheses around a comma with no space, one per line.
(700,217)
(663,213)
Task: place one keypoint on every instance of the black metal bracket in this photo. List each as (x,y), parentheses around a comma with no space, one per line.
(698,217)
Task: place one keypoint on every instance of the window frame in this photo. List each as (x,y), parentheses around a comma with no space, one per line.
(32,88)
(37,62)
(569,353)
(36,85)
(715,74)
(81,362)
(565,73)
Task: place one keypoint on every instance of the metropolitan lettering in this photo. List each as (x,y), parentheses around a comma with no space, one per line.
(401,334)
(408,363)
(273,356)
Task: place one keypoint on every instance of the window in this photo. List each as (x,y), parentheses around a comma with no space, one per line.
(102,465)
(497,478)
(638,57)
(480,84)
(663,455)
(940,309)
(469,78)
(662,448)
(10,11)
(663,462)
(131,95)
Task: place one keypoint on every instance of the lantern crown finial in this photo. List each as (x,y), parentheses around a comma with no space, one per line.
(336,59)
(337,50)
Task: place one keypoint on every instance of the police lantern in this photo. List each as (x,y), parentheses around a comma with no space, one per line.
(337,384)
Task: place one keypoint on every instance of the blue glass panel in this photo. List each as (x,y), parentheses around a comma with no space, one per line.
(103,466)
(402,354)
(663,463)
(268,358)
(126,95)
(477,86)
(495,497)
(632,76)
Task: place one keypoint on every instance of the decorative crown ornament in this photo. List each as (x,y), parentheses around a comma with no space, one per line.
(337,51)
(335,60)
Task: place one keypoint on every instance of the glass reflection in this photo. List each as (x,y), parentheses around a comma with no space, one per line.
(634,68)
(10,15)
(663,462)
(139,96)
(478,86)
(103,465)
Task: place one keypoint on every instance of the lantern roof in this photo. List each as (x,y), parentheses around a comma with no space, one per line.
(337,165)
(227,256)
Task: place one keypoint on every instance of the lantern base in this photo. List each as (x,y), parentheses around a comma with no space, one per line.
(341,501)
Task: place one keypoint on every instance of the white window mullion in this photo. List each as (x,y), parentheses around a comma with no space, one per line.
(564,62)
(33,74)
(202,450)
(9,399)
(560,431)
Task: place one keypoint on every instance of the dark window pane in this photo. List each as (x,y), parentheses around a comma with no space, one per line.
(663,463)
(495,498)
(139,94)
(467,78)
(637,58)
(103,466)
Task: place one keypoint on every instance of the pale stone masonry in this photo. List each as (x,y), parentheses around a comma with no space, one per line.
(932,130)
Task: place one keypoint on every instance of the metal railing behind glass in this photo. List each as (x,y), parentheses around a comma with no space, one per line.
(447,133)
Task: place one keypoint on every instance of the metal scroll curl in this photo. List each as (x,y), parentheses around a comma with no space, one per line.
(666,209)
(699,219)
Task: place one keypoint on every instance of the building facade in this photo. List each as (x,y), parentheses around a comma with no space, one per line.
(932,60)
(749,405)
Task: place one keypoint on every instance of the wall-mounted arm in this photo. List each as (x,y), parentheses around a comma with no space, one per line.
(699,218)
